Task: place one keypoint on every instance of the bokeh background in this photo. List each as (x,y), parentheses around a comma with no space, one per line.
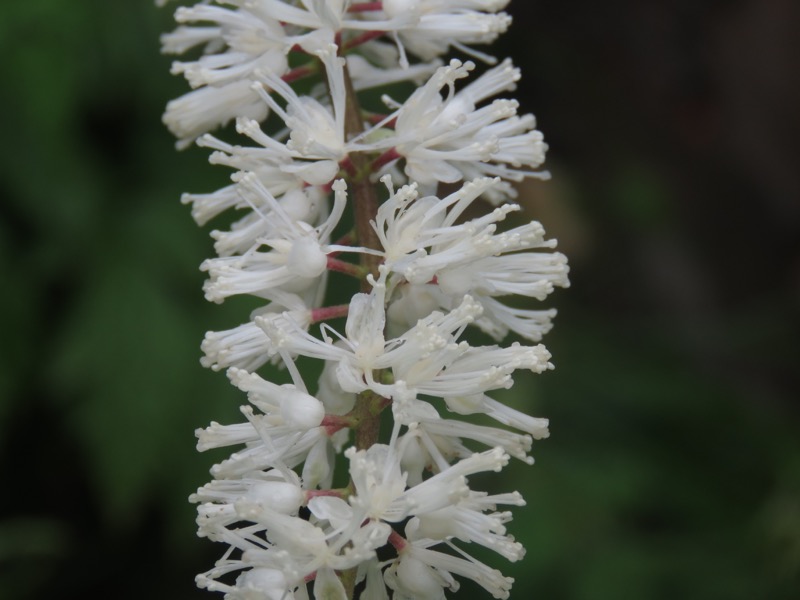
(673,468)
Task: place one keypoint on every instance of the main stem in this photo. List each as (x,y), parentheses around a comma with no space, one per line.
(363,191)
(365,201)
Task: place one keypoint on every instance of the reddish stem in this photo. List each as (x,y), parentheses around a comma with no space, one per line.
(384,159)
(348,167)
(376,118)
(365,6)
(348,239)
(341,266)
(298,73)
(362,39)
(319,493)
(327,188)
(398,541)
(329,312)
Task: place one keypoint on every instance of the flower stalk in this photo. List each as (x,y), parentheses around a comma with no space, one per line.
(365,198)
(426,274)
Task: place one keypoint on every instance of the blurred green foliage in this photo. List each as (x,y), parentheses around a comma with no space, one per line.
(673,469)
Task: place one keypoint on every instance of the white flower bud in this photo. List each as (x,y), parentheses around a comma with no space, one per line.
(414,579)
(318,468)
(335,399)
(280,496)
(261,584)
(306,258)
(300,410)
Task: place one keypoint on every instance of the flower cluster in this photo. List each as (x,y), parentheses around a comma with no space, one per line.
(396,517)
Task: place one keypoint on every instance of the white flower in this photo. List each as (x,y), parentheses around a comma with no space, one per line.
(411,303)
(367,75)
(361,351)
(467,520)
(381,493)
(439,24)
(427,359)
(267,168)
(253,40)
(199,111)
(378,483)
(412,579)
(433,272)
(299,548)
(291,265)
(447,433)
(282,405)
(296,260)
(247,346)
(266,446)
(498,319)
(322,15)
(442,260)
(407,225)
(418,571)
(375,589)
(285,433)
(330,392)
(249,42)
(302,205)
(224,502)
(327,585)
(315,131)
(483,404)
(261,583)
(423,574)
(450,139)
(296,547)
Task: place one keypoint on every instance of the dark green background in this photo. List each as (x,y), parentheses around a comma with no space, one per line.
(673,469)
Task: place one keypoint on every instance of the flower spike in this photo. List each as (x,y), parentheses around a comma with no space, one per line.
(395,348)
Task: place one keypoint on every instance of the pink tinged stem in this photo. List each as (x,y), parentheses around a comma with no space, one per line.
(398,541)
(319,493)
(378,118)
(298,73)
(348,239)
(362,39)
(341,266)
(384,159)
(365,6)
(327,188)
(329,312)
(348,167)
(334,423)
